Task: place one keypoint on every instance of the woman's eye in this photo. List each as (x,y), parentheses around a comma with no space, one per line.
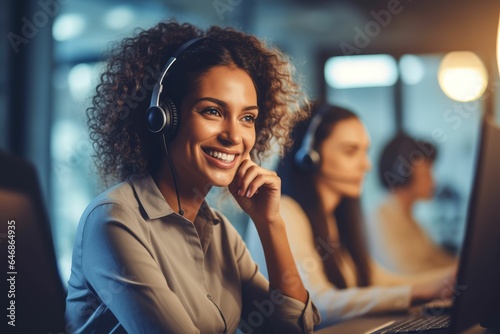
(211,111)
(249,118)
(350,153)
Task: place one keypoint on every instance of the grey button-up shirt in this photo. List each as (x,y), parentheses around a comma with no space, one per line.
(139,267)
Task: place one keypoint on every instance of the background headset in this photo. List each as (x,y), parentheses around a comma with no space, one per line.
(307,159)
(166,120)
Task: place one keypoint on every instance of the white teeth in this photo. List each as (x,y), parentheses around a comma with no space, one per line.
(222,156)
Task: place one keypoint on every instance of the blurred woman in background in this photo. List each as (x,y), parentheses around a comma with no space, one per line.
(322,178)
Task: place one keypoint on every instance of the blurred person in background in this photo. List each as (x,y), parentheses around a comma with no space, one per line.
(322,179)
(397,241)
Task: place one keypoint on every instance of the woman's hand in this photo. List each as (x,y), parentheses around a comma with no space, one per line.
(257,190)
(441,288)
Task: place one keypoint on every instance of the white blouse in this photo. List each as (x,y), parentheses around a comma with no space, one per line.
(399,243)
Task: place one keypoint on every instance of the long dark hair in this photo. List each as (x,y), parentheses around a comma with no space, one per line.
(299,186)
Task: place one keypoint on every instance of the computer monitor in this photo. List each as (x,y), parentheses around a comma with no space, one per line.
(478,278)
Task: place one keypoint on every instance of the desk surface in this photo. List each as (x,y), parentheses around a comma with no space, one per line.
(366,324)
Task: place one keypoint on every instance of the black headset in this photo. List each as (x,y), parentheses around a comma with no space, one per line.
(307,159)
(166,119)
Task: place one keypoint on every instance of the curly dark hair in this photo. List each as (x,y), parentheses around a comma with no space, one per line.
(123,145)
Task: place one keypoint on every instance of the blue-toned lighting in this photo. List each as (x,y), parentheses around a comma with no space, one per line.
(119,17)
(361,71)
(80,81)
(67,26)
(412,69)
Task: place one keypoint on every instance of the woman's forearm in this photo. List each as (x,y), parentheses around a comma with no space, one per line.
(283,273)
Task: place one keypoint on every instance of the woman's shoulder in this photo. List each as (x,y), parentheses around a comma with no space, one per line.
(117,200)
(390,205)
(386,212)
(121,194)
(294,216)
(110,211)
(289,207)
(289,204)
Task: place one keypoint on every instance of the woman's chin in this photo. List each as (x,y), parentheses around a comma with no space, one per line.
(353,193)
(221,181)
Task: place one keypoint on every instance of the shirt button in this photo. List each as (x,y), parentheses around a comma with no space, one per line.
(209,296)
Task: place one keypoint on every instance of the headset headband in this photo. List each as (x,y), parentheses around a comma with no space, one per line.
(155,96)
(308,140)
(307,158)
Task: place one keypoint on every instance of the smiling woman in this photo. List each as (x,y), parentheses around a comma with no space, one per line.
(219,129)
(178,111)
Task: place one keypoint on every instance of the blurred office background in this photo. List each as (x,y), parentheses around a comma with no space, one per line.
(385,59)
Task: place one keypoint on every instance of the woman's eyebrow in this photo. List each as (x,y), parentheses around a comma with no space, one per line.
(222,103)
(214,100)
(352,144)
(349,145)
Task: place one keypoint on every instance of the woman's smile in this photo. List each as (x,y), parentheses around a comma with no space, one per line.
(218,127)
(220,159)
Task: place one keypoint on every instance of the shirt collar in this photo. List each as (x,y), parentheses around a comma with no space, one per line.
(207,213)
(152,201)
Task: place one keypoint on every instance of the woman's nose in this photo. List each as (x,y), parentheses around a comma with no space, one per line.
(230,133)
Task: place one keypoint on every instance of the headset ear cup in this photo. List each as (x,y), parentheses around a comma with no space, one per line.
(308,161)
(172,116)
(156,120)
